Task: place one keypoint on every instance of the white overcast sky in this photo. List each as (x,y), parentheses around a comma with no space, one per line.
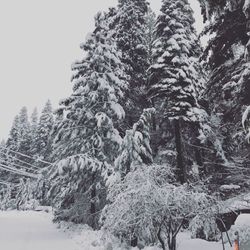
(39,39)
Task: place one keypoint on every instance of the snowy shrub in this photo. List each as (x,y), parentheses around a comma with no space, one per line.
(147,206)
(24,197)
(6,199)
(204,226)
(41,188)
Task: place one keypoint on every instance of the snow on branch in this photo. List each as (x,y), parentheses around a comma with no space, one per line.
(135,147)
(246,122)
(246,8)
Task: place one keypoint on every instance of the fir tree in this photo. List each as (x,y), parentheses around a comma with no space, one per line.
(130,37)
(34,122)
(174,75)
(13,144)
(135,149)
(86,139)
(24,132)
(14,135)
(130,26)
(228,89)
(43,132)
(150,21)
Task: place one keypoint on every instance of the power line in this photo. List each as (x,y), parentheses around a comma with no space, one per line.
(17,165)
(5,183)
(13,157)
(13,170)
(24,155)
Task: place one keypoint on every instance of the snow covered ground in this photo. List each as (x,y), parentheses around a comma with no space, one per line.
(30,230)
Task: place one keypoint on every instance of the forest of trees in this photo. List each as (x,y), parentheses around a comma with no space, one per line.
(156,130)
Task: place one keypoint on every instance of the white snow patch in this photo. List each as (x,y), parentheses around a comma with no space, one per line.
(29,230)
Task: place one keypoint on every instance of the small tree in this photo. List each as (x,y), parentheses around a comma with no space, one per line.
(135,147)
(5,202)
(24,194)
(147,205)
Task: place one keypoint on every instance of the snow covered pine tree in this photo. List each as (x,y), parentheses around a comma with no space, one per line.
(129,24)
(135,147)
(228,89)
(87,141)
(176,76)
(42,141)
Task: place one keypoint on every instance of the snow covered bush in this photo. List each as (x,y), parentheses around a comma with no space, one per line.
(24,197)
(147,206)
(204,226)
(5,198)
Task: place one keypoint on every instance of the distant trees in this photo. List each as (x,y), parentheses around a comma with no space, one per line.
(28,140)
(30,137)
(42,134)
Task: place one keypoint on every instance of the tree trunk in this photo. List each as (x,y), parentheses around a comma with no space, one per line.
(161,240)
(171,241)
(134,242)
(181,170)
(92,202)
(173,244)
(198,150)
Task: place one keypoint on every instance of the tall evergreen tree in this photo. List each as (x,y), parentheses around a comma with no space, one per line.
(24,132)
(44,129)
(174,75)
(130,27)
(149,33)
(12,143)
(14,135)
(34,121)
(18,143)
(228,88)
(33,131)
(130,37)
(87,140)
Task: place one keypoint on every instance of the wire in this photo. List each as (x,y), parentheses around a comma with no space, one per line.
(27,156)
(5,183)
(17,165)
(13,170)
(13,157)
